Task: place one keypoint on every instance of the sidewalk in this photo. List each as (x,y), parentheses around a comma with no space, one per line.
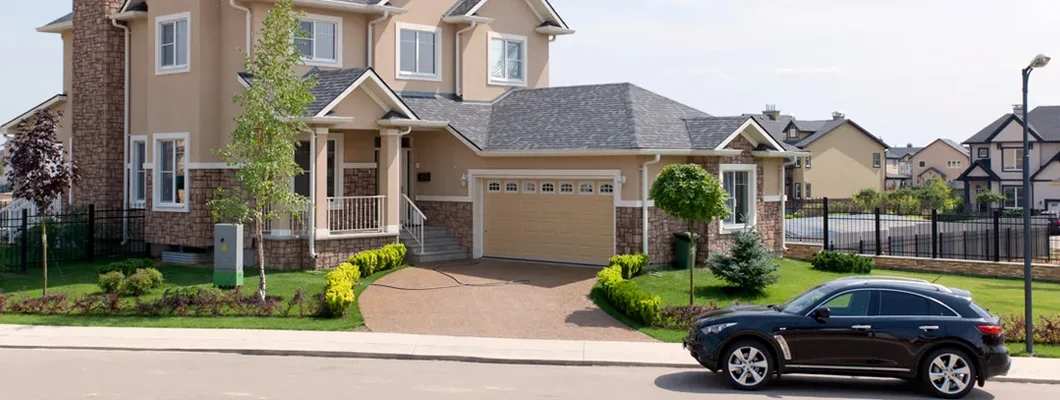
(399,346)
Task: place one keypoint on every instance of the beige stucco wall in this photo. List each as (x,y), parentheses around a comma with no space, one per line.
(937,154)
(512,17)
(1009,137)
(173,101)
(141,68)
(842,164)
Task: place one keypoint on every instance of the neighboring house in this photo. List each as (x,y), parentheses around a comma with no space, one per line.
(439,106)
(900,166)
(844,157)
(943,159)
(997,159)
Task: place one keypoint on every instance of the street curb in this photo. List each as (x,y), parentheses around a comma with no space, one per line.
(450,358)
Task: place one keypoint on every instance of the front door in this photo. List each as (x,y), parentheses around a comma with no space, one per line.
(842,340)
(905,325)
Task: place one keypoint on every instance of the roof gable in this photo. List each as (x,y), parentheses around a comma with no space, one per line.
(979,170)
(542,9)
(831,126)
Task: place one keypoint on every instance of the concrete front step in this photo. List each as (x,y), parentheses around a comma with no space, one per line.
(432,247)
(439,245)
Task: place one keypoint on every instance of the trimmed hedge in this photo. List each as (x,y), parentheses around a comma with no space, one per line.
(369,262)
(338,293)
(627,298)
(126,267)
(846,263)
(631,264)
(339,283)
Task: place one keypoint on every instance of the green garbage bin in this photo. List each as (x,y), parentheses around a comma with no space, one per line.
(681,249)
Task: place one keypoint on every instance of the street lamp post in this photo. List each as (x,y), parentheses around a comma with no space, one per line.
(1040,61)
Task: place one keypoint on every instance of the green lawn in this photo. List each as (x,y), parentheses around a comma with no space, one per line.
(79,279)
(1001,296)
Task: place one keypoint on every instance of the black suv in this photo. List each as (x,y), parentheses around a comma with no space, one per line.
(872,326)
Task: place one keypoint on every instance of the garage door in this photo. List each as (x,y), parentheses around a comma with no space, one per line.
(561,221)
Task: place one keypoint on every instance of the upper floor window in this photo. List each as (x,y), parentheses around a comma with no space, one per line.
(173,39)
(892,163)
(922,164)
(507,57)
(954,164)
(876,160)
(808,159)
(984,152)
(1012,160)
(793,133)
(419,52)
(319,40)
(798,162)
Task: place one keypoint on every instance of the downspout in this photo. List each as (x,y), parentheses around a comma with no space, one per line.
(457,71)
(371,37)
(313,196)
(644,199)
(249,22)
(125,140)
(783,200)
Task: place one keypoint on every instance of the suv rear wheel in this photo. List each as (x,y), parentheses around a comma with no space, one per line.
(948,373)
(748,365)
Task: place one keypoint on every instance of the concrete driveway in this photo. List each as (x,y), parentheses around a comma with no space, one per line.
(553,304)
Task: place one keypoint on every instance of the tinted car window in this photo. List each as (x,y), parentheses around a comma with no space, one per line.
(899,304)
(853,304)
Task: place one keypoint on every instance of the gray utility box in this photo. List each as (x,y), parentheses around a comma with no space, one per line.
(228,255)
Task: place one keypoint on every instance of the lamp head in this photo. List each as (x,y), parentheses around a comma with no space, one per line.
(1039,61)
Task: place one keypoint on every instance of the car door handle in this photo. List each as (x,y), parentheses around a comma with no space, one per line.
(929,328)
(862,327)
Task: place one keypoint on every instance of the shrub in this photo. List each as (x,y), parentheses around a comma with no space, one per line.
(372,261)
(748,265)
(631,264)
(627,298)
(352,273)
(683,317)
(847,263)
(1012,213)
(154,274)
(139,283)
(126,267)
(338,292)
(111,282)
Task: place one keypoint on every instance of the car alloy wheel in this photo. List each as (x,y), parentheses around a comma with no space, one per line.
(748,366)
(950,375)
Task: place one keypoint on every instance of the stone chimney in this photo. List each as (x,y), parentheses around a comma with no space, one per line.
(1017,109)
(838,115)
(98,103)
(771,112)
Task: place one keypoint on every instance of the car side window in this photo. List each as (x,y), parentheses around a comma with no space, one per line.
(853,304)
(905,304)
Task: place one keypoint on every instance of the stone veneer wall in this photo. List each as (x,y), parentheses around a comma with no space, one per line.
(457,217)
(1040,272)
(359,182)
(293,254)
(193,228)
(98,92)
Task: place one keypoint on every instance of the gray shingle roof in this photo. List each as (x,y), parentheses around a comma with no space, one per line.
(331,84)
(1044,123)
(899,152)
(830,126)
(66,18)
(708,133)
(463,7)
(471,120)
(810,126)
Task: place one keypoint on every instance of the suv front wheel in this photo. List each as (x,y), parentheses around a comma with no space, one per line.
(948,373)
(748,365)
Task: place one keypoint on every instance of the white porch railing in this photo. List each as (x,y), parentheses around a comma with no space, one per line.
(297,225)
(357,214)
(413,220)
(12,212)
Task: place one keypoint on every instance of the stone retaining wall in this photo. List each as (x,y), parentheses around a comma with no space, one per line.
(293,254)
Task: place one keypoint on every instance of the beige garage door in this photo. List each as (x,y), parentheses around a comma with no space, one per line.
(562,221)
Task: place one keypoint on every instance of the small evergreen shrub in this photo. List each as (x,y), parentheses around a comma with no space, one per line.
(111,282)
(748,265)
(846,263)
(627,298)
(139,283)
(631,264)
(338,293)
(352,273)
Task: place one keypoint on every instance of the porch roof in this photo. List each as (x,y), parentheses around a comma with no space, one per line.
(983,165)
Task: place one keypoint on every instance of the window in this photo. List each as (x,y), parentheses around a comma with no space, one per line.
(511,187)
(793,133)
(875,160)
(529,187)
(798,191)
(304,157)
(984,152)
(607,189)
(953,164)
(809,194)
(905,304)
(173,39)
(1012,160)
(548,188)
(138,186)
(853,304)
(171,172)
(507,57)
(586,188)
(923,164)
(808,158)
(798,162)
(566,188)
(892,163)
(493,187)
(1013,196)
(319,41)
(739,182)
(419,52)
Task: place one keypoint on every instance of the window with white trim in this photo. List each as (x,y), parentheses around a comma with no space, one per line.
(511,187)
(529,187)
(493,187)
(798,191)
(419,52)
(953,164)
(548,188)
(173,38)
(809,193)
(808,159)
(984,152)
(739,182)
(793,133)
(607,189)
(138,186)
(586,188)
(507,58)
(798,162)
(922,164)
(318,40)
(876,157)
(566,188)
(1013,196)
(171,171)
(1012,160)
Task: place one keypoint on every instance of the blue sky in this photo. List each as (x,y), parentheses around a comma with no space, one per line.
(907,70)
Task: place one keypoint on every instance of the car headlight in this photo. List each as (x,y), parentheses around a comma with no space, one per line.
(717,328)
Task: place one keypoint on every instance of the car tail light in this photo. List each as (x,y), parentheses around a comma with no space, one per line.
(992,330)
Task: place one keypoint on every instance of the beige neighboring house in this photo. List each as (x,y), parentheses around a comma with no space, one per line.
(900,166)
(428,113)
(843,157)
(944,159)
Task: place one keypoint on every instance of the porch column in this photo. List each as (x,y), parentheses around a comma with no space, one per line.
(390,177)
(320,179)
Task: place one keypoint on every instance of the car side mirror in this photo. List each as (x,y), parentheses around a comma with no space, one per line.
(822,313)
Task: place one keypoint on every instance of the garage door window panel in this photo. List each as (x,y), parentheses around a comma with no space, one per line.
(607,189)
(586,188)
(493,187)
(529,187)
(566,188)
(548,188)
(511,187)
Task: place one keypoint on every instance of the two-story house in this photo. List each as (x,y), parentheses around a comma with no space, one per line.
(900,166)
(997,159)
(435,113)
(843,157)
(942,159)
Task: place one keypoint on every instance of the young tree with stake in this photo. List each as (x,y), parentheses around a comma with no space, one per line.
(40,171)
(265,138)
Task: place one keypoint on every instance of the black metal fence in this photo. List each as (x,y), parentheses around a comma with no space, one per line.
(79,234)
(916,231)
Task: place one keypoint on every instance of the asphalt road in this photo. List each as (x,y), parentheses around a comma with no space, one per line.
(69,375)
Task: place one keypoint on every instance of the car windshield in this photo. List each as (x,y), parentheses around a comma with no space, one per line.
(800,303)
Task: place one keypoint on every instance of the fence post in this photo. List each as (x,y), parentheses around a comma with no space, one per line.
(879,247)
(916,245)
(824,210)
(997,236)
(934,233)
(1008,243)
(964,244)
(890,247)
(90,247)
(25,240)
(861,246)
